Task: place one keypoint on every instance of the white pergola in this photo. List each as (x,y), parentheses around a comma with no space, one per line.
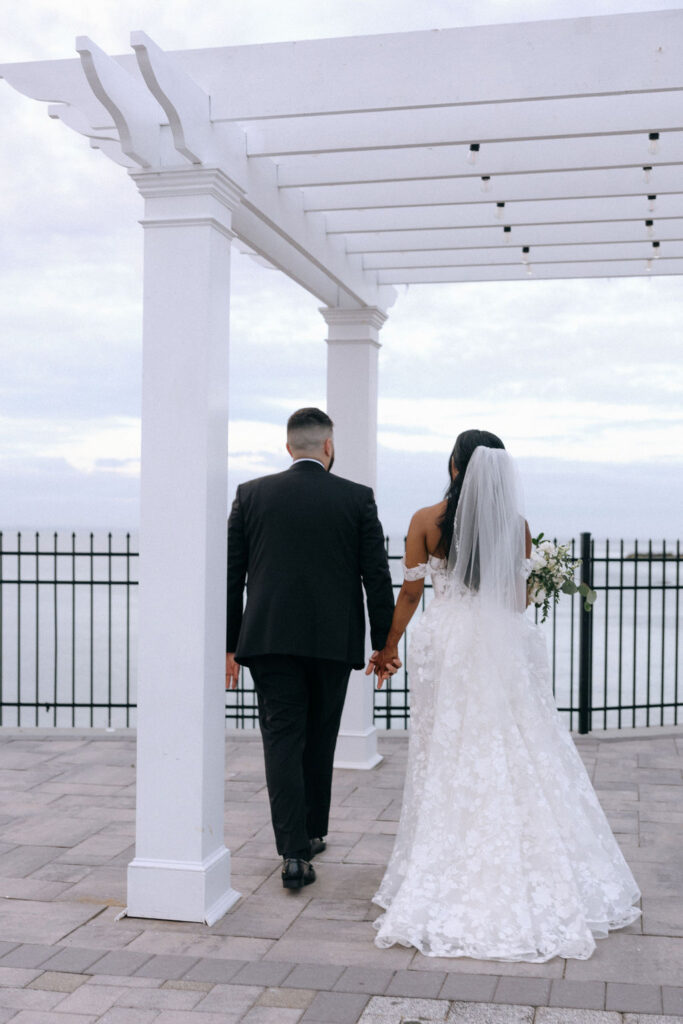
(538,150)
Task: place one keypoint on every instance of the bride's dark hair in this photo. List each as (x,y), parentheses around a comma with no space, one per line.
(463,448)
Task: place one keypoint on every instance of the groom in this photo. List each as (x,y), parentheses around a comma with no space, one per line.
(306,543)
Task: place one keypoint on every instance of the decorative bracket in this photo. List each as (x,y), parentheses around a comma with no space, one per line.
(186,106)
(135,113)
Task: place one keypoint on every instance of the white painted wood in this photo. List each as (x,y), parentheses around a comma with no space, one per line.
(352,350)
(520,212)
(503,255)
(181,868)
(499,158)
(132,109)
(187,108)
(576,116)
(374,246)
(558,187)
(530,60)
(541,272)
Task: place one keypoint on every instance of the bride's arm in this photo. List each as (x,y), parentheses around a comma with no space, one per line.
(408,599)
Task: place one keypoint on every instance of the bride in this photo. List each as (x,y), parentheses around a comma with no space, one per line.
(503,851)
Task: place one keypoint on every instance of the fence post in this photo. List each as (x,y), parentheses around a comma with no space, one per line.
(586,641)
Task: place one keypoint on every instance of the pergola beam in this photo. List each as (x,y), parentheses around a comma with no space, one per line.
(607,55)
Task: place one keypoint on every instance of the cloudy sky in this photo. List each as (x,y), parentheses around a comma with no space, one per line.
(582,379)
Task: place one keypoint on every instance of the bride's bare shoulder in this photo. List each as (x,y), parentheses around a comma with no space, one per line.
(429,516)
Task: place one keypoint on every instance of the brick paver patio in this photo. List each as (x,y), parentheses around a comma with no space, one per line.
(66,836)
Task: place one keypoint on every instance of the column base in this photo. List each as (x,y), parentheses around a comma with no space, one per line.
(357,749)
(181,890)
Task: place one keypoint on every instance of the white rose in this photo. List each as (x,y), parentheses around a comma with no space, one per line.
(547,545)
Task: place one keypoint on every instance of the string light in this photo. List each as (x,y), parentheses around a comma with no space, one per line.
(650,225)
(507,231)
(473,152)
(655,250)
(525,254)
(498,213)
(647,171)
(654,143)
(486,182)
(651,200)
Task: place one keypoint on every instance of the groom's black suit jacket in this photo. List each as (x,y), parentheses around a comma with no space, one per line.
(306,543)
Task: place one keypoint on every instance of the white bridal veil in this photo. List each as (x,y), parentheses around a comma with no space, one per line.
(487,552)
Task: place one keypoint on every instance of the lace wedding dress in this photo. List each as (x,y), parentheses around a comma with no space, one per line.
(503,851)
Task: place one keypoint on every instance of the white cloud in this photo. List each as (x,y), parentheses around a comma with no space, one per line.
(562,429)
(82,445)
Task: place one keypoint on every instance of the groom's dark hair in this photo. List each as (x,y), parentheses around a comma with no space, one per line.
(308,429)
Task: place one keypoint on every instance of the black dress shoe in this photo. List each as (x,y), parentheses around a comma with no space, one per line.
(297,873)
(317,846)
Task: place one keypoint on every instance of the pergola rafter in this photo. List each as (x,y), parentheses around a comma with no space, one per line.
(539,150)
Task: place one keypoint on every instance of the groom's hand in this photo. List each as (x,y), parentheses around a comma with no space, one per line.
(384,664)
(232,672)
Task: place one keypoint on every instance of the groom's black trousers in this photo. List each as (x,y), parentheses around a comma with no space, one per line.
(300,702)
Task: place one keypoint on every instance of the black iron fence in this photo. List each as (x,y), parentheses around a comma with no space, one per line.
(68,613)
(68,605)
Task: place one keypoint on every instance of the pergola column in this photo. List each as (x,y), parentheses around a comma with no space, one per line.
(181,869)
(352,350)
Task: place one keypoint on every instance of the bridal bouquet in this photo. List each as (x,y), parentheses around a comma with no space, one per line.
(551,573)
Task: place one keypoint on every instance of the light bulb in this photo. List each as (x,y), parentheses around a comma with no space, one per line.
(647,171)
(507,230)
(525,254)
(653,147)
(472,153)
(650,225)
(655,250)
(651,200)
(486,183)
(499,210)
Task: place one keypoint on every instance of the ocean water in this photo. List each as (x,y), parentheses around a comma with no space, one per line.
(68,644)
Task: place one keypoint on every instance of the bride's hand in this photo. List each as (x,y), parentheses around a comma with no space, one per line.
(384,663)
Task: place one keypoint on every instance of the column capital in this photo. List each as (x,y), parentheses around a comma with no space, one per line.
(187,197)
(360,326)
(180,182)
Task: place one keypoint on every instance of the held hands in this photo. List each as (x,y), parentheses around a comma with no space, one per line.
(232,672)
(383,663)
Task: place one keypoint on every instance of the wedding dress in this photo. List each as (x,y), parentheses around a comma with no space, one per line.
(503,851)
